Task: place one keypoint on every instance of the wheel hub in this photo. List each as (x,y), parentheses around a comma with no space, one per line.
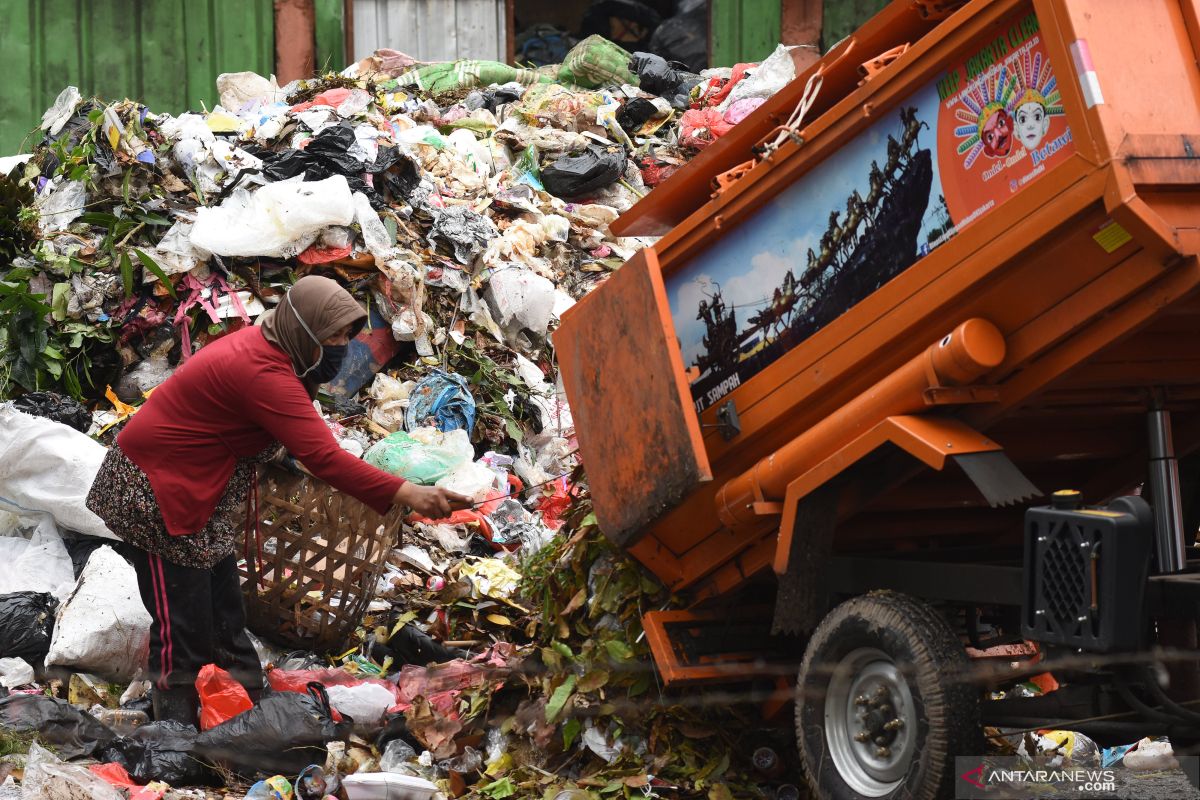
(868,714)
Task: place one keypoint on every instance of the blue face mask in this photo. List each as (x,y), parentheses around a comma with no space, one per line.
(332,356)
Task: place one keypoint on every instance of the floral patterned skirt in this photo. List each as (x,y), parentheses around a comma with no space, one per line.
(121,496)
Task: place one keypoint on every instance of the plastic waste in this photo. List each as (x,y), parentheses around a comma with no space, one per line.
(576,175)
(61,110)
(221,697)
(470,478)
(33,556)
(365,703)
(283,734)
(519,300)
(15,672)
(595,61)
(28,625)
(699,128)
(411,645)
(161,751)
(423,455)
(117,776)
(1063,748)
(396,756)
(122,721)
(387,786)
(54,406)
(103,627)
(467,232)
(441,400)
(236,89)
(61,206)
(775,72)
(315,784)
(1151,755)
(684,37)
(49,467)
(280,219)
(73,733)
(47,777)
(276,787)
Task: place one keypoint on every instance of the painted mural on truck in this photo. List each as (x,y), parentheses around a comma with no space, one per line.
(942,159)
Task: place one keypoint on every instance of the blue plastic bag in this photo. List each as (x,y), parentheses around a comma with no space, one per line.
(441,400)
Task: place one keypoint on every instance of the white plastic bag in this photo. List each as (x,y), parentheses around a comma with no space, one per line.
(235,89)
(61,206)
(366,702)
(47,777)
(103,628)
(15,672)
(280,219)
(520,299)
(470,478)
(33,557)
(775,72)
(49,467)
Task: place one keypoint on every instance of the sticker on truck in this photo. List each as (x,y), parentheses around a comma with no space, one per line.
(943,158)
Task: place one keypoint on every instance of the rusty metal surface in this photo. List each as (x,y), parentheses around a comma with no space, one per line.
(638,434)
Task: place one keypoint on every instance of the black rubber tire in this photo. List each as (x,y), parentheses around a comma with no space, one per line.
(925,648)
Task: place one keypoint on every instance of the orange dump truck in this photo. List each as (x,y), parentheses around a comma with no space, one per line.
(885,390)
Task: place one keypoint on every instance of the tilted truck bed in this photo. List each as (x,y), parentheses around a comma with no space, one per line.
(1024,167)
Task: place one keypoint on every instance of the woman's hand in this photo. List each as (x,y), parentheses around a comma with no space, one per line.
(430,501)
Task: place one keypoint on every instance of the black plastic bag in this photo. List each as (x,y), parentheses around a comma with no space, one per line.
(576,175)
(325,156)
(282,735)
(684,38)
(54,406)
(629,23)
(73,733)
(26,625)
(397,175)
(162,751)
(410,645)
(670,81)
(633,115)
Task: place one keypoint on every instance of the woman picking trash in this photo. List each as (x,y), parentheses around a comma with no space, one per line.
(174,485)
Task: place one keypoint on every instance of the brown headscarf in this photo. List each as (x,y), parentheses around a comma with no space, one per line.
(324,306)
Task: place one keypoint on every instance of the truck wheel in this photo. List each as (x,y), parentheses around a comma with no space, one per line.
(878,711)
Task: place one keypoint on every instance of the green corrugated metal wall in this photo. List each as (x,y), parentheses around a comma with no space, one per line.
(331,36)
(742,30)
(843,17)
(166,53)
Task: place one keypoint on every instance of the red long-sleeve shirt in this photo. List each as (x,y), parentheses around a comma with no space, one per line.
(231,400)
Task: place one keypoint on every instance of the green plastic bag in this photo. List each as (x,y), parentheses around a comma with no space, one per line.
(426,459)
(596,62)
(450,75)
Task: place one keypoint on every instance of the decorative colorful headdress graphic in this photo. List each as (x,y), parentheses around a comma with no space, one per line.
(997,106)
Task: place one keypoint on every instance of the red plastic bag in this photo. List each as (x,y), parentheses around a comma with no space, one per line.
(700,128)
(221,697)
(117,776)
(297,680)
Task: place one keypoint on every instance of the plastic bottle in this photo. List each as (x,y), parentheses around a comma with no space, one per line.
(123,721)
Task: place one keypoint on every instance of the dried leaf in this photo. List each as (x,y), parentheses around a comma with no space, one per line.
(498,619)
(576,602)
(637,781)
(593,680)
(720,792)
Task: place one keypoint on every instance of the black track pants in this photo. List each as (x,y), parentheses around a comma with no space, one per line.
(198,619)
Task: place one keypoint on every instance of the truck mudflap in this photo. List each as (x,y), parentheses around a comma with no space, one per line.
(638,431)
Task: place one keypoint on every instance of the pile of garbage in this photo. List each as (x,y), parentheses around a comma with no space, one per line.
(466,205)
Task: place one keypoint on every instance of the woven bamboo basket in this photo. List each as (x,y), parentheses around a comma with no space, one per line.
(312,567)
